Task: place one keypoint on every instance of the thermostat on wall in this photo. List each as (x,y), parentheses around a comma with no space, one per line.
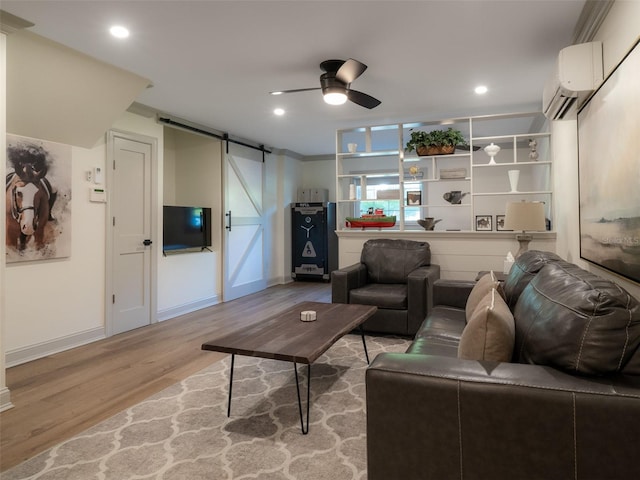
(98,195)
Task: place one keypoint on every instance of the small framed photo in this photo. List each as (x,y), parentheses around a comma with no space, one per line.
(500,224)
(484,223)
(414,197)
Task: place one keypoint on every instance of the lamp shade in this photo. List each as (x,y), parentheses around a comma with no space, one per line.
(525,216)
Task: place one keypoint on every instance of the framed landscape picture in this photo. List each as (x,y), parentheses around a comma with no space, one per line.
(608,146)
(484,223)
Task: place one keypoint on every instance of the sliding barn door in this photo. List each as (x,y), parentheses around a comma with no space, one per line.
(244,271)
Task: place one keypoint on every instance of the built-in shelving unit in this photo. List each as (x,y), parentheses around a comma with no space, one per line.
(381,174)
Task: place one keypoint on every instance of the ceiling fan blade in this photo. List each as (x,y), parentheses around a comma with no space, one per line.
(363,99)
(350,70)
(280,92)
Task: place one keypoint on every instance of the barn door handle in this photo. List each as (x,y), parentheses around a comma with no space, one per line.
(147,242)
(228,214)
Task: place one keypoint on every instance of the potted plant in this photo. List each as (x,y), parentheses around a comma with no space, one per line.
(435,142)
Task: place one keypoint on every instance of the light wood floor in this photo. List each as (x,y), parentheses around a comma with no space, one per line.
(61,395)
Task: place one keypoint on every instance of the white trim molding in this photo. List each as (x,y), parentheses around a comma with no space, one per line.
(178,310)
(57,345)
(5,399)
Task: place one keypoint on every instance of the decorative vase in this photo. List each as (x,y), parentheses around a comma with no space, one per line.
(514,175)
(352,191)
(492,150)
(428,223)
(454,197)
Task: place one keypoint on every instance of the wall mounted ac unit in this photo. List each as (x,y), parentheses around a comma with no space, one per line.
(577,73)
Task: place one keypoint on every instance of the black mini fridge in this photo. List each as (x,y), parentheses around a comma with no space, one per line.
(314,243)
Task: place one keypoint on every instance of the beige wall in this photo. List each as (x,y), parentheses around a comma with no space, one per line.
(192,177)
(619,32)
(283,180)
(320,174)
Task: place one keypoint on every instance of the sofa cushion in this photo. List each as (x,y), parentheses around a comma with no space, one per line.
(489,334)
(483,286)
(523,270)
(571,319)
(381,295)
(390,261)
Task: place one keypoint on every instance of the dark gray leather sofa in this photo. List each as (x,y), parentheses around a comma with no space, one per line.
(394,275)
(566,407)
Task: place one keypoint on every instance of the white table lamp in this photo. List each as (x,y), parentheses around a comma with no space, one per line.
(525,217)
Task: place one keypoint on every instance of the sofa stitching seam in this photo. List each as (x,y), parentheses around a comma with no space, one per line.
(626,331)
(575,442)
(584,335)
(502,382)
(460,432)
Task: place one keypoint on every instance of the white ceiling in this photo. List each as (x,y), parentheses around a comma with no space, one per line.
(214,62)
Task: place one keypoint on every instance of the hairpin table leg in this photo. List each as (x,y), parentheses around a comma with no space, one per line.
(364,344)
(233,357)
(295,369)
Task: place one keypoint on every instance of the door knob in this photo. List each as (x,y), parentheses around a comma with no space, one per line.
(147,242)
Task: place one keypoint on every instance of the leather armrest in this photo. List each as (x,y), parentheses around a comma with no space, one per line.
(453,293)
(440,416)
(420,295)
(345,279)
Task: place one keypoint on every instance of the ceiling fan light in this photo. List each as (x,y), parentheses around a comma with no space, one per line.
(335,98)
(119,31)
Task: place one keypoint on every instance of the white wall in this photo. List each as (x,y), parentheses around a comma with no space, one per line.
(63,298)
(461,255)
(69,308)
(5,397)
(619,32)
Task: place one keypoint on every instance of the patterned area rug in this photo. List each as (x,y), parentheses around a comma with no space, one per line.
(183,432)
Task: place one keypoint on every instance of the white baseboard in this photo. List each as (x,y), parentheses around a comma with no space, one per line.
(272,282)
(39,350)
(5,399)
(187,308)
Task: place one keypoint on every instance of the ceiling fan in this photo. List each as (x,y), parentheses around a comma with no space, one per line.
(335,84)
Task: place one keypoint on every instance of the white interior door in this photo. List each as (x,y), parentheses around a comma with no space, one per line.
(244,271)
(131,233)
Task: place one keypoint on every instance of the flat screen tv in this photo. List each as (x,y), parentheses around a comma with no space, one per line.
(186,227)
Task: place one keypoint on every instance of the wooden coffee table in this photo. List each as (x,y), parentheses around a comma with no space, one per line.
(284,336)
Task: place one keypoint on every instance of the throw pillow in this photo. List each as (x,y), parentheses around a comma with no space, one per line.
(480,290)
(490,333)
(574,320)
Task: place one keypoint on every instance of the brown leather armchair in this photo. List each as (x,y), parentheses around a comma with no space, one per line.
(394,275)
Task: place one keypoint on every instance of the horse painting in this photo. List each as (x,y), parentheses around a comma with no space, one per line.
(38,200)
(28,211)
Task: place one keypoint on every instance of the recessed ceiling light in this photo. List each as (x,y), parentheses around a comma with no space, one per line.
(119,31)
(279,111)
(481,90)
(276,93)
